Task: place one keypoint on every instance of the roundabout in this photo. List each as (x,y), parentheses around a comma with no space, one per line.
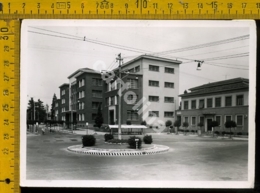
(149,150)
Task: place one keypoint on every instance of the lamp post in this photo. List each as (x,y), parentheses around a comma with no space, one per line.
(119,97)
(136,141)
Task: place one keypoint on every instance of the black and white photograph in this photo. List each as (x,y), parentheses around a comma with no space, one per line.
(138,103)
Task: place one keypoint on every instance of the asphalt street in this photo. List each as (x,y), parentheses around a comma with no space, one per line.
(190,158)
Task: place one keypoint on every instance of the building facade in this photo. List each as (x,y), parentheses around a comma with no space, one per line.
(219,101)
(151,94)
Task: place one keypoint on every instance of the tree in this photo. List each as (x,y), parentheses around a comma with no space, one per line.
(31,110)
(168,123)
(177,124)
(54,98)
(214,124)
(36,111)
(40,111)
(99,117)
(230,124)
(185,124)
(143,123)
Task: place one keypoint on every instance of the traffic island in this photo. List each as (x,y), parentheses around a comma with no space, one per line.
(149,150)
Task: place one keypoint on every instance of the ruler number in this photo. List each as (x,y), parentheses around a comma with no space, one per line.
(6,121)
(6,63)
(6,48)
(68,5)
(200,5)
(126,5)
(4,37)
(52,5)
(5,151)
(144,4)
(82,5)
(214,4)
(38,5)
(6,92)
(229,5)
(6,136)
(23,5)
(155,5)
(6,78)
(185,5)
(170,5)
(5,107)
(244,5)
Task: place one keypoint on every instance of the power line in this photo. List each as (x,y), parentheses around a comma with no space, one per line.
(230,40)
(92,41)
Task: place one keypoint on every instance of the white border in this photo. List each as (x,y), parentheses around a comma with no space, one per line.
(140,184)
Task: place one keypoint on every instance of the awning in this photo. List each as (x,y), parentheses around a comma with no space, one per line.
(128,126)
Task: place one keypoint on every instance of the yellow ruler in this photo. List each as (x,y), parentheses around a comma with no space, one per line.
(11,13)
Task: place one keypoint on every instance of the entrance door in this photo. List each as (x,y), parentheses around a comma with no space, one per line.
(209,128)
(111,116)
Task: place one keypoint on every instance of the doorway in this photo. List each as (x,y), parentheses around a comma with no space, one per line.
(111,117)
(209,121)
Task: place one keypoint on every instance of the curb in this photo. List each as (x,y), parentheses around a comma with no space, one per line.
(118,152)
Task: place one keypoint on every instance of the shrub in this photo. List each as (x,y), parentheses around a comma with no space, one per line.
(156,127)
(171,127)
(216,132)
(143,123)
(168,123)
(88,140)
(151,127)
(116,141)
(223,133)
(108,136)
(148,139)
(132,142)
(192,131)
(128,122)
(239,133)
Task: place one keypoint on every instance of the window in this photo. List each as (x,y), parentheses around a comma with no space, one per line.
(81,82)
(132,83)
(218,119)
(186,104)
(81,94)
(63,109)
(132,70)
(63,92)
(154,68)
(83,117)
(107,101)
(95,105)
(239,120)
(79,117)
(201,103)
(112,100)
(209,103)
(153,113)
(186,119)
(63,101)
(96,82)
(168,114)
(193,104)
(228,101)
(193,120)
(57,104)
(97,93)
(81,105)
(202,120)
(154,98)
(228,118)
(169,70)
(218,102)
(153,83)
(168,99)
(94,116)
(240,100)
(169,85)
(137,68)
(63,118)
(113,85)
(132,115)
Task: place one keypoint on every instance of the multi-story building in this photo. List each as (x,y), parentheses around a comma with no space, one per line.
(64,102)
(86,95)
(220,101)
(57,109)
(151,93)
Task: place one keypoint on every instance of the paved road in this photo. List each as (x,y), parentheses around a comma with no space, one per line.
(189,158)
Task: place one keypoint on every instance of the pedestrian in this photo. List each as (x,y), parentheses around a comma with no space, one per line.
(43,130)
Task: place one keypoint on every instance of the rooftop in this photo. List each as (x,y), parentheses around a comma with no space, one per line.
(224,85)
(82,70)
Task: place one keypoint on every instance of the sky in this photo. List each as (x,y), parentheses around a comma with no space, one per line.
(56,49)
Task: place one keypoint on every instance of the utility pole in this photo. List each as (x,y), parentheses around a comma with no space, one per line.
(119,97)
